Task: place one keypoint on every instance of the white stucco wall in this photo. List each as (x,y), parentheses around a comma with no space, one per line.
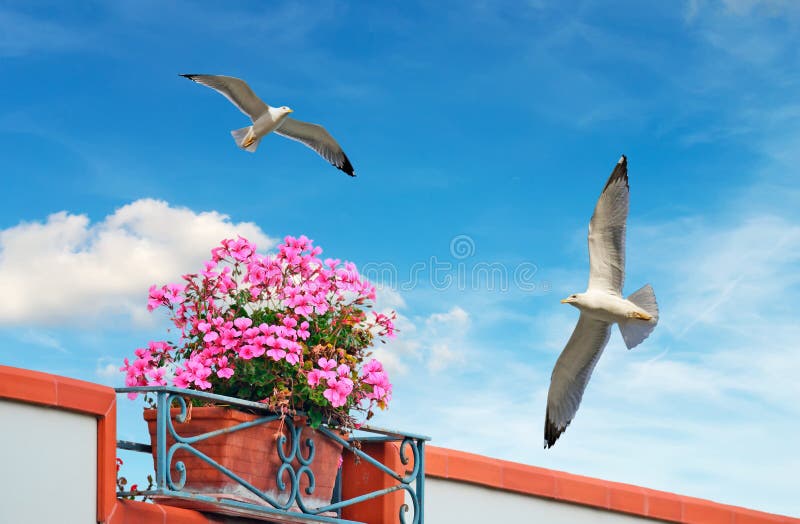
(48,465)
(449,501)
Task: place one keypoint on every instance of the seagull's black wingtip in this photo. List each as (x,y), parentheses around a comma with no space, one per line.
(347,167)
(189,76)
(620,172)
(551,431)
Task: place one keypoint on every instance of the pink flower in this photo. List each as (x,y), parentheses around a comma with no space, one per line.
(155,298)
(314,377)
(172,293)
(327,366)
(303,332)
(258,347)
(240,250)
(276,353)
(228,338)
(157,377)
(181,380)
(200,372)
(209,266)
(372,373)
(338,390)
(247,352)
(293,357)
(223,370)
(325,371)
(242,323)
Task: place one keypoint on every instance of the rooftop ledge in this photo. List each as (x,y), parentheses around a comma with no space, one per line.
(375,484)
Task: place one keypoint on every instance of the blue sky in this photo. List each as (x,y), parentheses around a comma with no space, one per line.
(482,134)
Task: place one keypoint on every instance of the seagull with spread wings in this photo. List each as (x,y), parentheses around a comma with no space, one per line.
(601,306)
(267,119)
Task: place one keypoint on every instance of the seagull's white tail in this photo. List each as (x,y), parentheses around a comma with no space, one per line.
(240,135)
(635,330)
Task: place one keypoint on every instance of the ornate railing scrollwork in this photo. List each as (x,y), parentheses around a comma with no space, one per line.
(296,455)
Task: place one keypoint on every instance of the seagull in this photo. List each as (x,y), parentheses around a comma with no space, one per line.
(267,119)
(601,306)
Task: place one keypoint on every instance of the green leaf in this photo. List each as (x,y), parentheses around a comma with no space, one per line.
(315,417)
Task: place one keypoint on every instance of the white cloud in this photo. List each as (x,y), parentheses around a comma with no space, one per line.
(741,8)
(446,334)
(107,371)
(437,342)
(455,320)
(387,299)
(398,353)
(771,8)
(68,269)
(442,355)
(40,338)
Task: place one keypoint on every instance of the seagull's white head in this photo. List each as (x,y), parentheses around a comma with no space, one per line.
(279,113)
(575,299)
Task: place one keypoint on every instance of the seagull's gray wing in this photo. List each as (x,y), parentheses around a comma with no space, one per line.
(235,90)
(607,233)
(317,138)
(571,374)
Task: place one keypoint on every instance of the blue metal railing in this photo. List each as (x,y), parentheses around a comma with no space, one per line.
(293,463)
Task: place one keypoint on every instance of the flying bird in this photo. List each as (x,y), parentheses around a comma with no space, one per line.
(601,306)
(267,119)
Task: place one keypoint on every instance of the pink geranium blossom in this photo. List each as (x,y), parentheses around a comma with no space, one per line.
(337,391)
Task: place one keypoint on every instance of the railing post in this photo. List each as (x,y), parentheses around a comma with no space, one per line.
(161,439)
(420,488)
(360,478)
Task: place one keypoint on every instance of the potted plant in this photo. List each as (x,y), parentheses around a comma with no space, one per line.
(289,330)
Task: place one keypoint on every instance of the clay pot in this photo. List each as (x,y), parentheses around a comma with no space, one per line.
(250,453)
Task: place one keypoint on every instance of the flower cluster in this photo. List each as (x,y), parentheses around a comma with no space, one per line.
(288,329)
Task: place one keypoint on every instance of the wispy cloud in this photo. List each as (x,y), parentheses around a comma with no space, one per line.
(433,342)
(41,338)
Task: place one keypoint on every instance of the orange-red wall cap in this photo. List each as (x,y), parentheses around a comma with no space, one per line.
(33,387)
(135,512)
(613,496)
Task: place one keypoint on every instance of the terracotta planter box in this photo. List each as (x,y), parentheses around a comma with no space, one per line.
(249,453)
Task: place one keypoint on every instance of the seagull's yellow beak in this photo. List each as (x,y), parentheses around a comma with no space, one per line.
(290,110)
(564,300)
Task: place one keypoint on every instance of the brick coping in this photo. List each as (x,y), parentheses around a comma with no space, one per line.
(576,489)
